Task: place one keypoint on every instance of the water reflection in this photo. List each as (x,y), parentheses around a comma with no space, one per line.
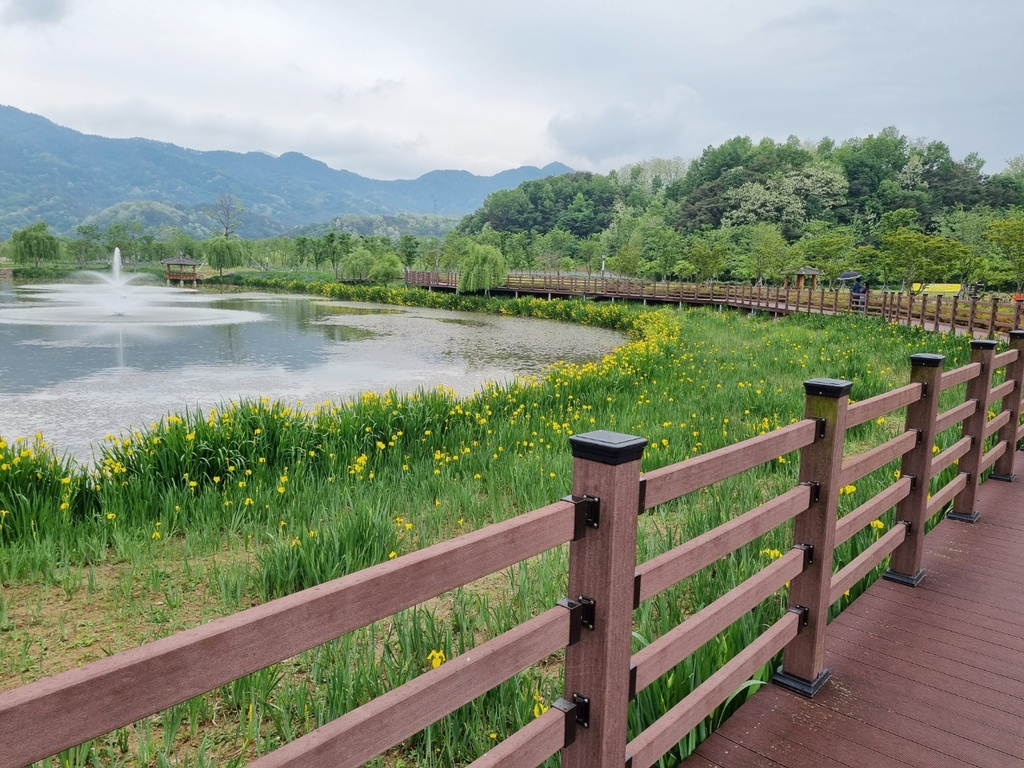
(77,383)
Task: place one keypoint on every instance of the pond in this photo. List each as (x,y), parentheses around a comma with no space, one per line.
(77,373)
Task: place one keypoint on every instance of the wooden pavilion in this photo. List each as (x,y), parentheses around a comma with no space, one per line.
(801,275)
(186,270)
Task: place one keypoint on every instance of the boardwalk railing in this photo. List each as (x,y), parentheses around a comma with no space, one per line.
(989,316)
(594,624)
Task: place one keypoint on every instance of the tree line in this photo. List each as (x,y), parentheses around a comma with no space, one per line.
(900,211)
(897,210)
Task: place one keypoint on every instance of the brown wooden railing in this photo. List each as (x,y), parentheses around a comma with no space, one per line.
(599,521)
(988,316)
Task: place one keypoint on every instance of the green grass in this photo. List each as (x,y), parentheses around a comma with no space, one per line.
(204,514)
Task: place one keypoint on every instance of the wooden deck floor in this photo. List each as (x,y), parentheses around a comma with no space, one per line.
(930,676)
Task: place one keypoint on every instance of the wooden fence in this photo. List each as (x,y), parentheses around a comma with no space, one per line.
(599,522)
(988,316)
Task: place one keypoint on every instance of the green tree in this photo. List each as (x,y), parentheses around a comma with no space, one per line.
(408,249)
(358,263)
(708,256)
(589,253)
(125,236)
(661,248)
(827,248)
(86,247)
(303,250)
(973,261)
(765,254)
(386,268)
(552,249)
(1008,236)
(482,268)
(34,245)
(222,253)
(906,256)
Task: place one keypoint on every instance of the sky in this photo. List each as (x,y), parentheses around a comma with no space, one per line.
(395,88)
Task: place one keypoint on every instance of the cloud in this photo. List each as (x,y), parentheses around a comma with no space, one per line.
(675,123)
(394,88)
(34,11)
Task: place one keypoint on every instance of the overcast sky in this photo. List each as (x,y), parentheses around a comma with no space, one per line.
(395,88)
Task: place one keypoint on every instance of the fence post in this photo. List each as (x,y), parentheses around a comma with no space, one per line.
(803,667)
(1003,469)
(905,564)
(982,351)
(602,565)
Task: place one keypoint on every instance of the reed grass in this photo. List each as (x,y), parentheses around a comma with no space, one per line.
(207,513)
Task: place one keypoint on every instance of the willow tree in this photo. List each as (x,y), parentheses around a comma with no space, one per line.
(34,245)
(222,253)
(482,268)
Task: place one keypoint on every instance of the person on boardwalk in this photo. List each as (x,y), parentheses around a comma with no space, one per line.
(860,295)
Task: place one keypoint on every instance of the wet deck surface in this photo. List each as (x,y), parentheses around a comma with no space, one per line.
(930,676)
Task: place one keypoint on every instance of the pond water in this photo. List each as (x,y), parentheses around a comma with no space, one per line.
(77,375)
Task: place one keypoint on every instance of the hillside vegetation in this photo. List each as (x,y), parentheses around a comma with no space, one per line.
(63,177)
(902,211)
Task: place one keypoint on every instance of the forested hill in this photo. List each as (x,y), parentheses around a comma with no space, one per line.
(900,210)
(61,176)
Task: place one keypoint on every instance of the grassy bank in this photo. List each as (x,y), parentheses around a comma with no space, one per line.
(203,514)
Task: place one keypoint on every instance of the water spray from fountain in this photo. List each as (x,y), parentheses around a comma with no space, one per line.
(118,299)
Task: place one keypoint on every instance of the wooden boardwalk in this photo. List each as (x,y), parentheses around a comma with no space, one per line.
(930,676)
(989,318)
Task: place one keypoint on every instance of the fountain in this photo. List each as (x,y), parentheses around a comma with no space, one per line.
(117,299)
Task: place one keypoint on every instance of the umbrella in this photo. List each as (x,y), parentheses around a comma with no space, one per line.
(849,276)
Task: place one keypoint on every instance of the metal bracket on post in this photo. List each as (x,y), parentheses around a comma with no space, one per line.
(636,590)
(643,495)
(569,708)
(588,611)
(910,526)
(632,681)
(808,551)
(582,709)
(920,435)
(815,490)
(801,611)
(822,425)
(913,481)
(575,619)
(588,514)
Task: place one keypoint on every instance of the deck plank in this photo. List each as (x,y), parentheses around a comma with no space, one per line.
(930,676)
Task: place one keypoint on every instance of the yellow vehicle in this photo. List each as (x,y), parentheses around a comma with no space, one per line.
(937,289)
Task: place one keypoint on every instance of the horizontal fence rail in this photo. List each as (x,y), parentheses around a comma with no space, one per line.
(677,480)
(593,625)
(87,702)
(936,313)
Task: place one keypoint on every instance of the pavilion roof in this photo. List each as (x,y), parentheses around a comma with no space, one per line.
(181,261)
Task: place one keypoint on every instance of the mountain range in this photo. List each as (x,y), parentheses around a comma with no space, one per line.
(66,178)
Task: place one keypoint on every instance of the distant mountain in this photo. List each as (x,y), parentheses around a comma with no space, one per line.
(65,177)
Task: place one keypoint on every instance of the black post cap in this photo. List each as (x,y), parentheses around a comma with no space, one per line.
(1014,335)
(828,387)
(927,359)
(607,447)
(984,344)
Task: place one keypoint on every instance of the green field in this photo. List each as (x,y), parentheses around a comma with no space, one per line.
(205,514)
